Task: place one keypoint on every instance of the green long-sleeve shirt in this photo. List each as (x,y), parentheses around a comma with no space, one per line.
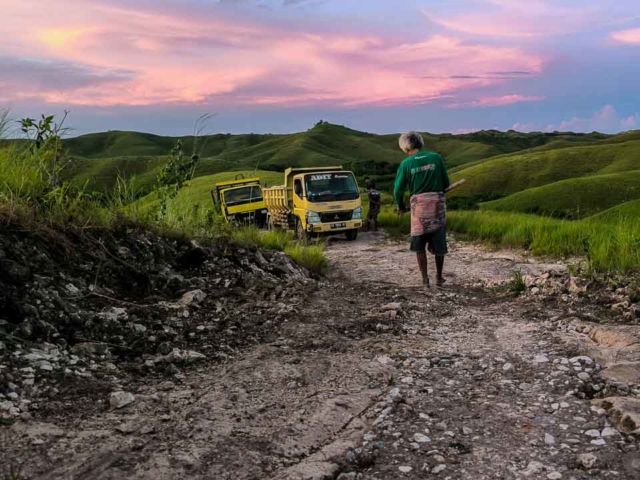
(421,173)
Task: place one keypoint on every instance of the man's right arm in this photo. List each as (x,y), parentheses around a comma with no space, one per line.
(400,186)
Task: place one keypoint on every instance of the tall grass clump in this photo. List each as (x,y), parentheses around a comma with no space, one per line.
(606,247)
(309,256)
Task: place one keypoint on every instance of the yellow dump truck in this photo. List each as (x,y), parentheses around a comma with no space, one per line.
(314,202)
(241,201)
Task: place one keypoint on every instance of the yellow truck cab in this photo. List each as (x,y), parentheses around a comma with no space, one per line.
(241,201)
(316,201)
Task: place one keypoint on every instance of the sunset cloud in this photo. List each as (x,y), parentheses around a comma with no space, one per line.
(252,59)
(607,119)
(631,37)
(496,101)
(178,57)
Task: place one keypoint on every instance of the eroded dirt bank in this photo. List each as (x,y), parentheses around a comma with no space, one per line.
(363,375)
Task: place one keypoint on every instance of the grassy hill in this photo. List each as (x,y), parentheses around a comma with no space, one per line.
(574,198)
(197,195)
(100,157)
(506,175)
(628,212)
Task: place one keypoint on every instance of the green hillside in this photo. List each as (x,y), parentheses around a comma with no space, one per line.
(574,198)
(100,157)
(506,175)
(198,193)
(628,212)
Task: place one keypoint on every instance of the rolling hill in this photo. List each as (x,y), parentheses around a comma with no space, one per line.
(574,198)
(100,157)
(506,175)
(628,212)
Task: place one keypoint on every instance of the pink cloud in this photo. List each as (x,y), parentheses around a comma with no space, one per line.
(519,19)
(201,57)
(607,119)
(524,127)
(631,37)
(496,101)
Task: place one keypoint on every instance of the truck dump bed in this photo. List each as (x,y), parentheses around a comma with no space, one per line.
(276,199)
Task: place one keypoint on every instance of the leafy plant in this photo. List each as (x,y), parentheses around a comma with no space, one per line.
(177,173)
(517,284)
(46,147)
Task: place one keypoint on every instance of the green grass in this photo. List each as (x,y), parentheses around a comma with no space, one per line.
(506,175)
(574,198)
(606,247)
(628,212)
(26,197)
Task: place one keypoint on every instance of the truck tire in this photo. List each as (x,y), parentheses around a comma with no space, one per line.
(302,235)
(352,234)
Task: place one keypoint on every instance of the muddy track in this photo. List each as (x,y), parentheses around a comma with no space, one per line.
(376,378)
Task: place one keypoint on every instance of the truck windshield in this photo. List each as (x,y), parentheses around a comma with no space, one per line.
(327,187)
(244,195)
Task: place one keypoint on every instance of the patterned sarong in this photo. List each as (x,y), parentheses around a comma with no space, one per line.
(428,213)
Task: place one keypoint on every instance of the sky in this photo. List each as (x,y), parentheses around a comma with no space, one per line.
(279,66)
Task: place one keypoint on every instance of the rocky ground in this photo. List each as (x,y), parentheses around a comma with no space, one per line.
(229,364)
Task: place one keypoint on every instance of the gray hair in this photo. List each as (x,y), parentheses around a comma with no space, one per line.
(411,141)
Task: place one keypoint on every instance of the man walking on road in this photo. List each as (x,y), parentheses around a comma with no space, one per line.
(426,177)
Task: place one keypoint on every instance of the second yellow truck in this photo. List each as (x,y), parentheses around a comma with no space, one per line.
(314,202)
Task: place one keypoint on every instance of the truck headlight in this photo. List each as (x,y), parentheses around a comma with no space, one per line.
(357,214)
(313,217)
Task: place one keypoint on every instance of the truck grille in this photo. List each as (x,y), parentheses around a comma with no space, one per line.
(330,217)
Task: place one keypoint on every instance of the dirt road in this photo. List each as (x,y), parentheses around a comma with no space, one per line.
(375,378)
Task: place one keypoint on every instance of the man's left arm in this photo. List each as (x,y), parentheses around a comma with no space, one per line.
(446,181)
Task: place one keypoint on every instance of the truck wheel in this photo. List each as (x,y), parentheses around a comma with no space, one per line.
(302,235)
(352,234)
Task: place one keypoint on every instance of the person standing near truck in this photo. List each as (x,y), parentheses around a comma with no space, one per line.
(375,204)
(425,176)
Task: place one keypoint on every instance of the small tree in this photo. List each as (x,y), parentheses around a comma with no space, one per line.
(180,168)
(46,147)
(177,173)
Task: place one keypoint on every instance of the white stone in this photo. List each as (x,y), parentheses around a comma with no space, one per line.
(439,469)
(507,367)
(533,469)
(196,296)
(599,442)
(609,432)
(47,367)
(587,460)
(593,433)
(385,360)
(549,440)
(405,469)
(582,359)
(420,438)
(584,376)
(542,358)
(554,476)
(121,399)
